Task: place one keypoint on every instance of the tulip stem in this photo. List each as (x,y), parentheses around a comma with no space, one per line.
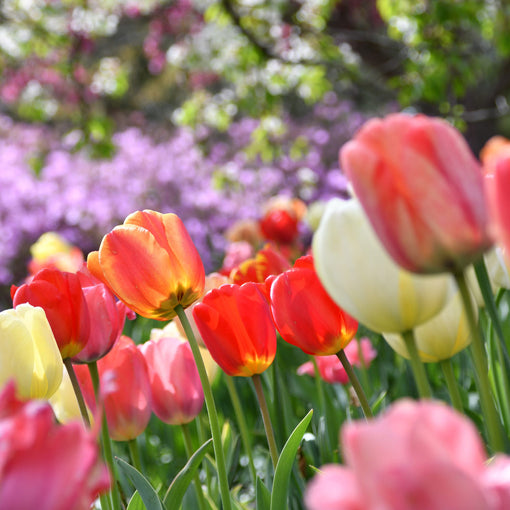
(106,442)
(417,366)
(188,445)
(77,391)
(365,406)
(451,383)
(319,386)
(243,428)
(134,453)
(490,413)
(273,450)
(211,409)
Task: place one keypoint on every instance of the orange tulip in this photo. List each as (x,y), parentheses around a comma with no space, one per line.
(422,190)
(151,264)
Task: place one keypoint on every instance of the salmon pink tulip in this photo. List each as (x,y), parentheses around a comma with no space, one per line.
(236,326)
(304,313)
(177,395)
(44,465)
(422,190)
(61,297)
(151,264)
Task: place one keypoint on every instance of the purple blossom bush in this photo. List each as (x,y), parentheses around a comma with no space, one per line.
(206,178)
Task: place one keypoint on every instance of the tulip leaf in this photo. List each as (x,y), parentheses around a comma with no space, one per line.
(136,502)
(180,483)
(147,492)
(285,463)
(263,495)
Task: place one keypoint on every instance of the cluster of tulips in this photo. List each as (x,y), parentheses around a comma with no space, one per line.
(412,257)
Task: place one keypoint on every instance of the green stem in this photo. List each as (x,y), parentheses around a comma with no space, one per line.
(273,450)
(77,391)
(355,383)
(106,442)
(490,413)
(451,383)
(188,444)
(319,386)
(211,409)
(241,421)
(134,453)
(417,366)
(364,367)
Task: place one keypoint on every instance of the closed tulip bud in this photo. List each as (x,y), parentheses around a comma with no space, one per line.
(29,352)
(304,313)
(60,295)
(177,395)
(422,189)
(151,264)
(364,281)
(236,326)
(439,338)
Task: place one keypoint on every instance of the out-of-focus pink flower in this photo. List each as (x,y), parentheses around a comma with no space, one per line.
(417,456)
(235,254)
(44,465)
(107,316)
(177,395)
(359,354)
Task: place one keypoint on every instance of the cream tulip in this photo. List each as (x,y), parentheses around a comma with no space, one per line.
(29,352)
(364,281)
(441,337)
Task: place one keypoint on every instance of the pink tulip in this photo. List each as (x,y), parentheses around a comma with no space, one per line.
(107,316)
(417,456)
(422,189)
(177,395)
(44,465)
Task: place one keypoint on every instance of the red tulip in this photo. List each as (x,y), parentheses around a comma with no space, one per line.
(304,313)
(177,395)
(236,326)
(151,264)
(422,189)
(266,262)
(107,317)
(60,295)
(44,465)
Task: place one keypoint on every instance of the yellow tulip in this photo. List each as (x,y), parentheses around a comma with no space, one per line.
(364,281)
(439,338)
(29,352)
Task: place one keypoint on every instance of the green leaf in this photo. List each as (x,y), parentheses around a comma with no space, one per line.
(147,492)
(263,495)
(180,483)
(285,463)
(136,502)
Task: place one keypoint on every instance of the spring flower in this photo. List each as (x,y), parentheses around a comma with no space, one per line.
(177,395)
(236,326)
(29,352)
(281,218)
(364,281)
(107,317)
(418,456)
(422,189)
(304,313)
(439,338)
(60,295)
(44,465)
(151,264)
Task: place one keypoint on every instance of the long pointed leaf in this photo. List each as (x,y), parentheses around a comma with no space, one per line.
(136,502)
(179,485)
(285,463)
(263,495)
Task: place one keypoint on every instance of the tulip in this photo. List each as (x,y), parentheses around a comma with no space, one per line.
(236,326)
(439,338)
(151,264)
(177,395)
(29,352)
(304,313)
(422,189)
(281,218)
(364,281)
(44,465)
(107,317)
(267,262)
(417,456)
(60,295)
